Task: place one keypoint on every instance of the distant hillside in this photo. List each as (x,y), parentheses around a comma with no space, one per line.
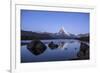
(84,37)
(29,35)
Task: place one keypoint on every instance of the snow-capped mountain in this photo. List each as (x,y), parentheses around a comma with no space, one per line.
(61,34)
(62,31)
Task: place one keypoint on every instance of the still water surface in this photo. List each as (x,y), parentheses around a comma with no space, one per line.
(68,50)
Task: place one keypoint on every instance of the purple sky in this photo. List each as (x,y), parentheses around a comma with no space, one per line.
(52,21)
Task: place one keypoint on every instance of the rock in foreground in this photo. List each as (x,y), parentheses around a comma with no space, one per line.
(36,47)
(52,45)
(84,51)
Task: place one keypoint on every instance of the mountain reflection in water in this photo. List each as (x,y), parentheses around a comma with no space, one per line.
(66,50)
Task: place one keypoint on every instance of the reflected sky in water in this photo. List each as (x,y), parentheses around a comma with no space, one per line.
(67,50)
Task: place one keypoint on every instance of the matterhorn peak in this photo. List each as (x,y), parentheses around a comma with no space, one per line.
(63,31)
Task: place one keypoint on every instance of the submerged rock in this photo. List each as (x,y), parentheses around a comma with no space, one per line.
(36,47)
(52,45)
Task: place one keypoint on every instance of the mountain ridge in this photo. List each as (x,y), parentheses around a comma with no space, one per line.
(29,35)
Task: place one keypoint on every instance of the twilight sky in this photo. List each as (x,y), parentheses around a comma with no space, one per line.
(51,21)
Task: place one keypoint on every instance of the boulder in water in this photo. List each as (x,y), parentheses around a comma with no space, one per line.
(36,47)
(84,51)
(52,45)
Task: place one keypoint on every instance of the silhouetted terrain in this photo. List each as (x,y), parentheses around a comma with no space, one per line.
(84,39)
(29,35)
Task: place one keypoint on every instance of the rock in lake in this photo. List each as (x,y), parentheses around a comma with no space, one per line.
(84,51)
(36,47)
(52,45)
